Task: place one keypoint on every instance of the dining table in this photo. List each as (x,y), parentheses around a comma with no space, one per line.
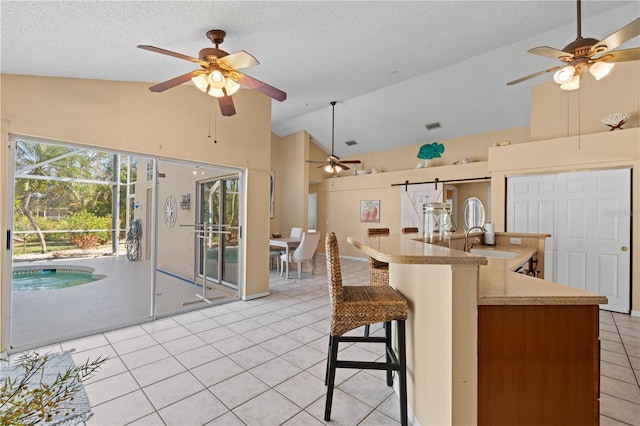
(287,243)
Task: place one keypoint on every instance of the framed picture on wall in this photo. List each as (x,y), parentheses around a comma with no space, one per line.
(370,211)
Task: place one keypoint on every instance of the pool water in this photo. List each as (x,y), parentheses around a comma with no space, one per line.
(49,279)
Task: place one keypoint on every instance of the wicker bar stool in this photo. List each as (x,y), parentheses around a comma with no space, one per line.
(353,307)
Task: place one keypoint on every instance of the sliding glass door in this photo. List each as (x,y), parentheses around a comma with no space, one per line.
(220,232)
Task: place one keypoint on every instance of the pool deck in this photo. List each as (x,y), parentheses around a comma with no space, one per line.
(122,298)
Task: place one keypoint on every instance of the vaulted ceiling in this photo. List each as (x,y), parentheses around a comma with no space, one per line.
(393,66)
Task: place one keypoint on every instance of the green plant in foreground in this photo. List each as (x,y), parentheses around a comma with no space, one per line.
(26,399)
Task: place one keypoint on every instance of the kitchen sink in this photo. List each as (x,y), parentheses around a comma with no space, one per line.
(494,253)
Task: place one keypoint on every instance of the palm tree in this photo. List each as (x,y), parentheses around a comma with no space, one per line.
(35,162)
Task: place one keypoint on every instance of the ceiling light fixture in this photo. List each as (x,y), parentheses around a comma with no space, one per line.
(215,84)
(572,84)
(568,77)
(600,69)
(564,75)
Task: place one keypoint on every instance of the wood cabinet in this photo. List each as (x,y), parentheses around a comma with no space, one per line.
(538,365)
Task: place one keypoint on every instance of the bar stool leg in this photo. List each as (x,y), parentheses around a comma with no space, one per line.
(402,373)
(326,374)
(332,376)
(388,348)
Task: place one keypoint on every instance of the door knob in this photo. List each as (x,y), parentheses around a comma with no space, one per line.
(624,248)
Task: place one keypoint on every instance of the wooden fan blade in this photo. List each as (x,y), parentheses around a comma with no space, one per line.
(550,52)
(343,166)
(261,87)
(319,167)
(621,36)
(351,161)
(621,55)
(161,87)
(240,60)
(174,54)
(226,106)
(314,161)
(533,75)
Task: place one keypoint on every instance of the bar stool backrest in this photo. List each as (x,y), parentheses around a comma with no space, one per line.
(334,273)
(377,231)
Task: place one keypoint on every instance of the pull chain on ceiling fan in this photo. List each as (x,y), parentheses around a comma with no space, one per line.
(580,54)
(333,164)
(219,76)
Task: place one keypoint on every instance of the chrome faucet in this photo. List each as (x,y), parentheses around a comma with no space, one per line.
(467,246)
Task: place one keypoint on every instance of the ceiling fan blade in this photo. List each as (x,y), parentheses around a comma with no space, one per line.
(624,34)
(261,87)
(342,166)
(621,55)
(240,59)
(319,167)
(533,75)
(550,52)
(226,106)
(314,161)
(351,161)
(174,54)
(161,87)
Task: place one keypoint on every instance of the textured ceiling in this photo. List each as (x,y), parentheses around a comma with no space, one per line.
(393,67)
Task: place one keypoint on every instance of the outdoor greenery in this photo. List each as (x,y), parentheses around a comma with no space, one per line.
(27,399)
(64,188)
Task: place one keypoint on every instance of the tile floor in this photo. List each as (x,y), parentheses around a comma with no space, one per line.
(262,362)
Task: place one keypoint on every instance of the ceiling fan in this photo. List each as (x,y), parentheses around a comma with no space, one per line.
(219,76)
(580,54)
(333,164)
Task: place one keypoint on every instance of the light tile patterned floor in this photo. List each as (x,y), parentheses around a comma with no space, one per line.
(619,369)
(262,362)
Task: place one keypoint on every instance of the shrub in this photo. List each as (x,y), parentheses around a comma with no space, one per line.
(84,220)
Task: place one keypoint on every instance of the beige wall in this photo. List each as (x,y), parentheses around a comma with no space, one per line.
(173,124)
(406,158)
(292,182)
(559,113)
(339,198)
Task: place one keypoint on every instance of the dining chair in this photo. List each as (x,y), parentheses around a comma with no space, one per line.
(304,252)
(296,233)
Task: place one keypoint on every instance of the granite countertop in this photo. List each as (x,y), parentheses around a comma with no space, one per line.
(407,249)
(498,283)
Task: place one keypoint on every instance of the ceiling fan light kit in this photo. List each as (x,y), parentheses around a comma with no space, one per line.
(581,53)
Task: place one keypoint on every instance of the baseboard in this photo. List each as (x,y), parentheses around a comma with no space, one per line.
(635,313)
(411,417)
(255,296)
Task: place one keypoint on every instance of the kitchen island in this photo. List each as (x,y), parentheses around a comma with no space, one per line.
(451,294)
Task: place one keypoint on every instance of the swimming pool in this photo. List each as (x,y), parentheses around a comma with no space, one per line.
(34,278)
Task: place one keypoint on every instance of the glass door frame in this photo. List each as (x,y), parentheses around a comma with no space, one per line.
(221,229)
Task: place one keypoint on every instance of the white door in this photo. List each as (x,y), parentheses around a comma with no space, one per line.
(588,215)
(594,234)
(531,208)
